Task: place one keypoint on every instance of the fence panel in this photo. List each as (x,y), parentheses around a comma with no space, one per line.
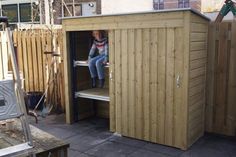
(39,70)
(221,85)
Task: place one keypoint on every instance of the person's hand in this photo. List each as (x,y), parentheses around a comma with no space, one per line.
(104,62)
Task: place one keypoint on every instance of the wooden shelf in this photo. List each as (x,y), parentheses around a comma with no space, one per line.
(84,63)
(94,93)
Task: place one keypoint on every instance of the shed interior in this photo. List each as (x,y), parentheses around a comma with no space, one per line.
(87,101)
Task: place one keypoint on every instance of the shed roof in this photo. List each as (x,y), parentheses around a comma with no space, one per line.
(146,12)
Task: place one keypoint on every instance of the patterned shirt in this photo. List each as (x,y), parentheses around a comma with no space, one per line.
(102,46)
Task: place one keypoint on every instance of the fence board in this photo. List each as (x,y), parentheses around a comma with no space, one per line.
(220,108)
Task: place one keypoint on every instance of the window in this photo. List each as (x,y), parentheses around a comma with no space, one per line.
(183,4)
(25,12)
(69,10)
(11,11)
(158,4)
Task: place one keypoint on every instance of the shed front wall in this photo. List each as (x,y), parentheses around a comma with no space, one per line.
(146,97)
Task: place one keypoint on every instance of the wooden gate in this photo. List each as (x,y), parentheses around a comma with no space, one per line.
(221,86)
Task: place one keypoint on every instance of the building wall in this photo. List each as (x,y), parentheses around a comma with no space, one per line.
(212,6)
(170,4)
(125,6)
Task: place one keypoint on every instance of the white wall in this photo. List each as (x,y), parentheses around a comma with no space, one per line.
(125,6)
(212,5)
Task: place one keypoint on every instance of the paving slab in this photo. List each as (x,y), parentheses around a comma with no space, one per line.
(111,149)
(163,149)
(128,141)
(147,153)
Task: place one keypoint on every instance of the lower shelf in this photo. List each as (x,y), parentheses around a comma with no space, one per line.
(94,93)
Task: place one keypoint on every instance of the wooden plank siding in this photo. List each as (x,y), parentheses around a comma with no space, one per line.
(157,69)
(221,80)
(156,111)
(197,77)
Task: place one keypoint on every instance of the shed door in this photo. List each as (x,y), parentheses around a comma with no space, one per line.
(145,84)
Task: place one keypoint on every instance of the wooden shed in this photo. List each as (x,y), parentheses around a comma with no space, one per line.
(156,73)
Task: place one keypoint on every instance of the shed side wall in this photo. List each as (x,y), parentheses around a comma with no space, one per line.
(197,77)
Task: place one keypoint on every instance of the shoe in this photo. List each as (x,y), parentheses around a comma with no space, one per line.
(94,82)
(101,83)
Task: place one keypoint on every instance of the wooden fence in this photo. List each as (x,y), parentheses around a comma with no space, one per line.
(35,65)
(221,85)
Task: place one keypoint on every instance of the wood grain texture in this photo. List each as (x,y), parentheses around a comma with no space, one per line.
(220,111)
(158,74)
(197,78)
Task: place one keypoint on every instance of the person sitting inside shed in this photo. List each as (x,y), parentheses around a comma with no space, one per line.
(97,63)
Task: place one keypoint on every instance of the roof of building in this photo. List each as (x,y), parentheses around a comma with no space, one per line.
(146,12)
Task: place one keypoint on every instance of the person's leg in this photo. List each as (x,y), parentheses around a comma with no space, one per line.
(92,69)
(92,66)
(100,71)
(100,67)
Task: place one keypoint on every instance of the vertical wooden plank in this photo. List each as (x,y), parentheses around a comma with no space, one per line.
(146,86)
(25,59)
(221,80)
(118,76)
(30,60)
(50,66)
(185,80)
(19,50)
(131,83)
(35,62)
(44,34)
(210,78)
(231,97)
(40,61)
(153,85)
(178,88)
(124,73)
(170,50)
(67,77)
(161,92)
(139,79)
(112,80)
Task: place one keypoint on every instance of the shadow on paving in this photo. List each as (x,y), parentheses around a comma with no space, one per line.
(91,138)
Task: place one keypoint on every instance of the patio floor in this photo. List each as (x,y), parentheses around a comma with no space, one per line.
(91,138)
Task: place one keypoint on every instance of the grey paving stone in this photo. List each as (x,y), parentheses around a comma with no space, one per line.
(111,149)
(73,153)
(204,152)
(147,153)
(163,149)
(61,133)
(85,142)
(128,141)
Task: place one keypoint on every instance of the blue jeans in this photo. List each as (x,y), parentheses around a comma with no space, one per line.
(96,66)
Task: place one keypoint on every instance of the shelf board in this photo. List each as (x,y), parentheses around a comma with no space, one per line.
(94,93)
(85,64)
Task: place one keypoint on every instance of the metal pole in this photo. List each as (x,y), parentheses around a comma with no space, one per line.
(19,91)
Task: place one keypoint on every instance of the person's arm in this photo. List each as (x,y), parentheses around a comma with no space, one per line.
(106,53)
(92,51)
